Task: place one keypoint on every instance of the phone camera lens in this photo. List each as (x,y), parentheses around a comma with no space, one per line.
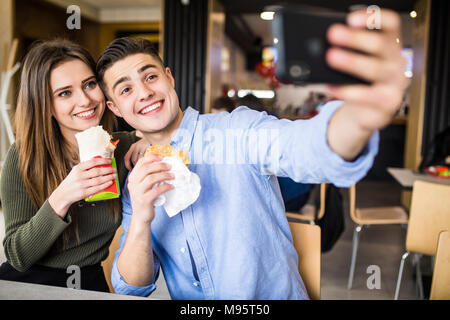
(299,71)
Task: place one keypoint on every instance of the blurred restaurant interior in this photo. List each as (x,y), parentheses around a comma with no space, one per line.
(225,48)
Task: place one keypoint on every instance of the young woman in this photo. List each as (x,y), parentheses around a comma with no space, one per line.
(48,225)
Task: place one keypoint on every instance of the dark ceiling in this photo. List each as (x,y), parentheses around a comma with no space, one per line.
(256,6)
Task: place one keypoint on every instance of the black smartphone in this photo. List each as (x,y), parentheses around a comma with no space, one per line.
(301,44)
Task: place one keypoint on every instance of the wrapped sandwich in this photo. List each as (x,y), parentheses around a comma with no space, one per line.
(186,183)
(95,142)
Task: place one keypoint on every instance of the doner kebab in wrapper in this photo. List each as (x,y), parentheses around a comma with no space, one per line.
(95,142)
(186,183)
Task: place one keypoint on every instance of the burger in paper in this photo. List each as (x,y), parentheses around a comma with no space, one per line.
(95,142)
(186,183)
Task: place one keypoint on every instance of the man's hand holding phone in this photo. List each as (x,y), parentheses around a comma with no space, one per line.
(362,67)
(380,63)
(374,56)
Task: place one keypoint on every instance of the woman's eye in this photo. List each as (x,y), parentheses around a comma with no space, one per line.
(91,84)
(64,93)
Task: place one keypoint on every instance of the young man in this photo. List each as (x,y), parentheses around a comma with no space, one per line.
(234,241)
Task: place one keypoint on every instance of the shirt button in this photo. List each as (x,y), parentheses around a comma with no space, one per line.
(195,284)
(183,250)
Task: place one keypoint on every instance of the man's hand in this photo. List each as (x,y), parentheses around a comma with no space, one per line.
(143,185)
(367,107)
(135,263)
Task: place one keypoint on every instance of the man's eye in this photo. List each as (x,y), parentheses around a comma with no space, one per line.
(124,91)
(151,77)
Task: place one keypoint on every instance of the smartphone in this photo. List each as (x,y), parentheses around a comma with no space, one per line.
(301,46)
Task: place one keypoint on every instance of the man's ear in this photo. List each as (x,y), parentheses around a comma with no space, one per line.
(169,75)
(112,106)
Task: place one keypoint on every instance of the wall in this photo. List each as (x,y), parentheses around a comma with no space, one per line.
(41,20)
(414,128)
(108,31)
(214,45)
(6,36)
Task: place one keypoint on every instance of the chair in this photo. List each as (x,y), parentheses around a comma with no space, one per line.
(108,262)
(308,211)
(440,284)
(306,239)
(429,215)
(370,216)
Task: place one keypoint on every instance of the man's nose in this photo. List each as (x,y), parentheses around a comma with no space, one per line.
(145,92)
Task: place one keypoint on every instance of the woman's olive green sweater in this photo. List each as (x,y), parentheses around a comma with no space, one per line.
(34,237)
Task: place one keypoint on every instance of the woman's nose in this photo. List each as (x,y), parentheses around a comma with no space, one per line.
(84,100)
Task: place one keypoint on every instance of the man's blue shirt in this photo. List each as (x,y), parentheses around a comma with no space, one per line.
(234,242)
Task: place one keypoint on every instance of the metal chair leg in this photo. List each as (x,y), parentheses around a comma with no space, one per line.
(400,273)
(354,251)
(419,283)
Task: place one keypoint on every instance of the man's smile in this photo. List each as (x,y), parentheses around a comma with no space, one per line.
(153,108)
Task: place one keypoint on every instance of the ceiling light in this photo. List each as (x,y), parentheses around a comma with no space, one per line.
(262,94)
(413,14)
(267,15)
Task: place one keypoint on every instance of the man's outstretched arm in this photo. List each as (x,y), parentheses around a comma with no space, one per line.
(367,108)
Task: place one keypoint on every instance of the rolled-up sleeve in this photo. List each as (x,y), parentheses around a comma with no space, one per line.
(340,172)
(299,149)
(119,284)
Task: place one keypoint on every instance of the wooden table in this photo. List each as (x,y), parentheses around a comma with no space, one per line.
(406,177)
(11,290)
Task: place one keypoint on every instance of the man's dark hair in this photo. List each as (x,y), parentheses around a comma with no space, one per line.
(121,48)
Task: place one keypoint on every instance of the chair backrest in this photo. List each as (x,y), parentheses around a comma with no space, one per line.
(310,209)
(323,188)
(440,284)
(306,239)
(108,262)
(429,215)
(352,202)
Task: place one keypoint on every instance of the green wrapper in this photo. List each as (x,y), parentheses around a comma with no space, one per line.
(112,192)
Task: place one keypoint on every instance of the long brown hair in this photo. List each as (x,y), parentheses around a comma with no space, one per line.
(45,157)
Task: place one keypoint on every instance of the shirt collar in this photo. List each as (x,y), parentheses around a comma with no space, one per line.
(182,139)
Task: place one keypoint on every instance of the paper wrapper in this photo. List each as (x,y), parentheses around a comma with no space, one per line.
(96,143)
(186,183)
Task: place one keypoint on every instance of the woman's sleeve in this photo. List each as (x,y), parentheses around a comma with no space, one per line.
(29,234)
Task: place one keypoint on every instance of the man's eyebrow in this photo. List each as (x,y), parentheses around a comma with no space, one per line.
(147,66)
(119,81)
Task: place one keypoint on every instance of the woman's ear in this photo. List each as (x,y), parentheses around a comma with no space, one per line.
(112,106)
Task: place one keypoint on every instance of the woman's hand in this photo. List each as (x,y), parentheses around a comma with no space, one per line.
(135,152)
(83,181)
(144,185)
